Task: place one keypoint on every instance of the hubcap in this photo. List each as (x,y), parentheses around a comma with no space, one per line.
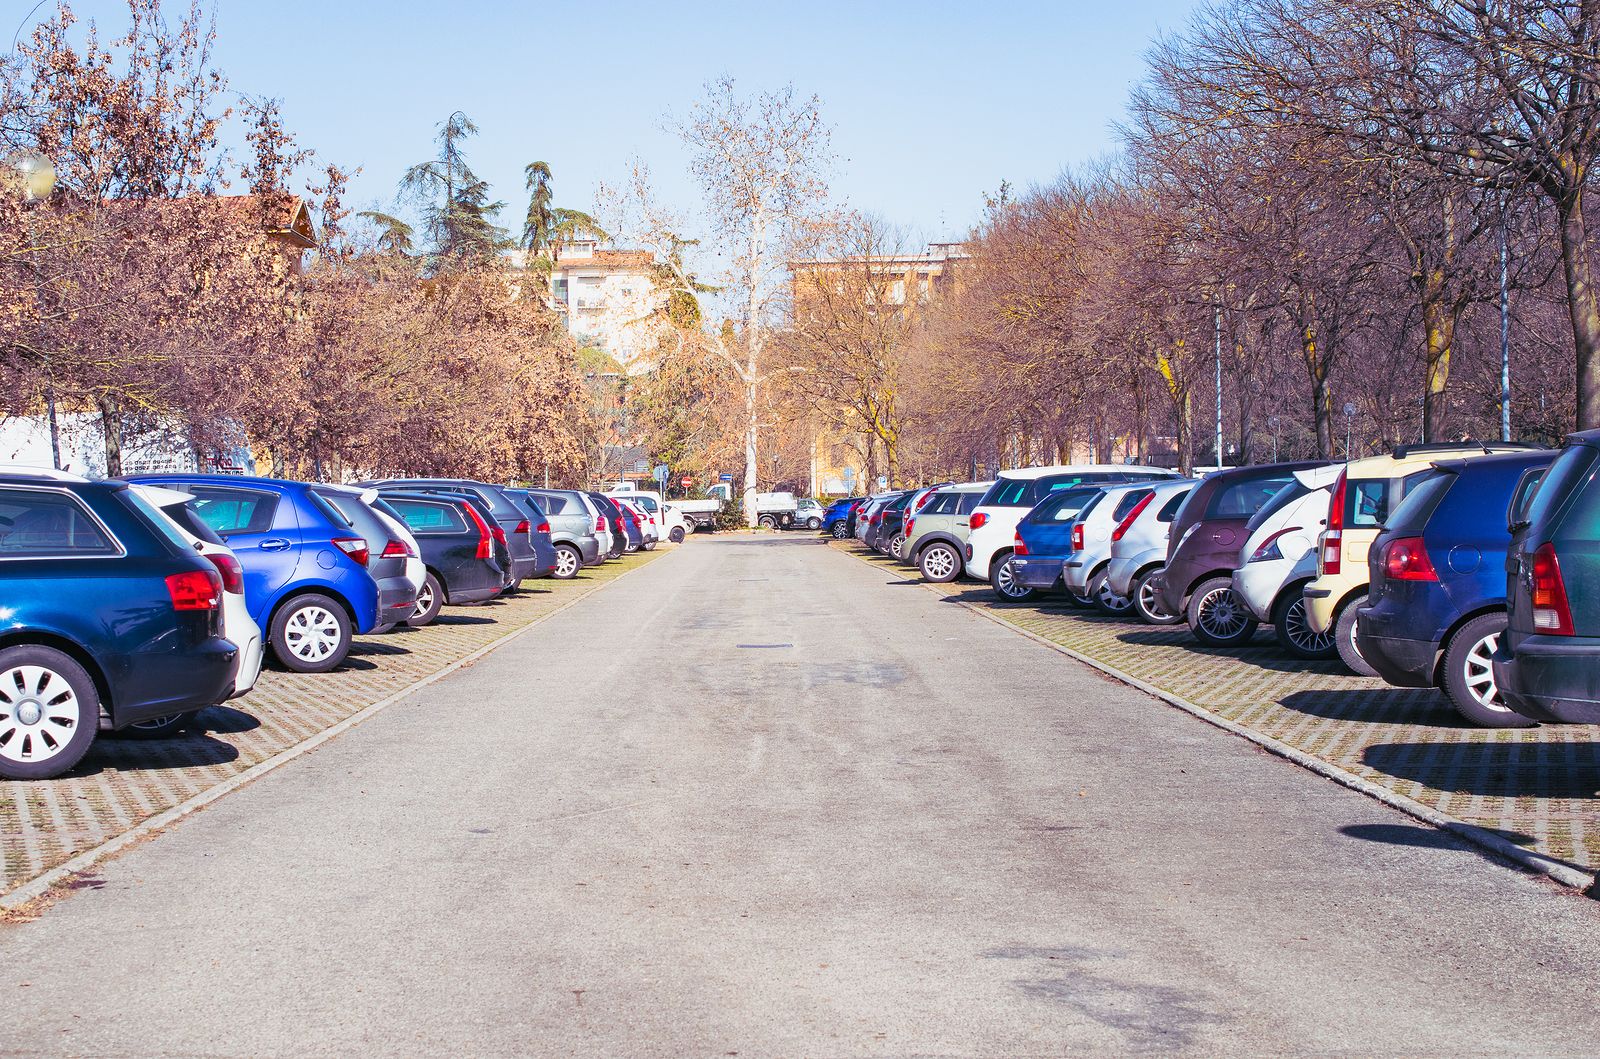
(1221,615)
(1109,599)
(424,599)
(1300,632)
(1007,578)
(566,563)
(896,546)
(312,634)
(39,712)
(1479,674)
(937,563)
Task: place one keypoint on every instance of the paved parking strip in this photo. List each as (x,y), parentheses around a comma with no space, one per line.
(761,798)
(1539,787)
(124,782)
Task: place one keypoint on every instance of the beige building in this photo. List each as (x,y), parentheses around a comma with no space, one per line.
(609,299)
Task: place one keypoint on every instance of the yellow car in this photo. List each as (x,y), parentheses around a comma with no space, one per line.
(1362,498)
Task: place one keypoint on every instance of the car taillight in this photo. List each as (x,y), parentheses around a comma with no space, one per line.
(1329,559)
(1127,523)
(978,520)
(1550,611)
(498,534)
(1018,545)
(1405,559)
(910,524)
(354,547)
(921,501)
(1077,536)
(485,540)
(544,527)
(599,523)
(195,589)
(1269,548)
(232,573)
(524,527)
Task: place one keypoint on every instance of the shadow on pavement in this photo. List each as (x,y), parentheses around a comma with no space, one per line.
(1417,706)
(1496,770)
(224,719)
(462,619)
(183,751)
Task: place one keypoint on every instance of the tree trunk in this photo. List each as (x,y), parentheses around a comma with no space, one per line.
(111,429)
(750,452)
(1582,305)
(1439,328)
(1321,397)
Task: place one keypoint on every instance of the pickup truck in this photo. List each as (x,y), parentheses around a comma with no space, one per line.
(702,514)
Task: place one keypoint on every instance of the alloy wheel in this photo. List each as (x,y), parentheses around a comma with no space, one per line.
(1150,598)
(1108,600)
(840,530)
(897,545)
(1478,674)
(1007,584)
(1220,615)
(566,563)
(39,712)
(312,634)
(938,563)
(424,599)
(1300,633)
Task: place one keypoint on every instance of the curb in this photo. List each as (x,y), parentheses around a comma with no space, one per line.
(40,885)
(1559,871)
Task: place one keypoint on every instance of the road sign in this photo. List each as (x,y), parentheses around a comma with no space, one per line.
(882,481)
(660,474)
(725,477)
(686,482)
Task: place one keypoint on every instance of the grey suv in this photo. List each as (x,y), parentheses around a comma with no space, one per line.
(571,527)
(936,538)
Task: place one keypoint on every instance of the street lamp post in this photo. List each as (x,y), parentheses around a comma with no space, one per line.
(1217,329)
(1505,325)
(33,177)
(1349,417)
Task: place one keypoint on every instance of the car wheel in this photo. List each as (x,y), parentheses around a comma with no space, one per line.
(813,523)
(1105,600)
(1294,631)
(840,531)
(49,712)
(1469,679)
(1146,592)
(430,597)
(677,535)
(1003,579)
(897,546)
(1217,617)
(310,634)
(649,546)
(1344,638)
(568,562)
(767,522)
(939,563)
(158,727)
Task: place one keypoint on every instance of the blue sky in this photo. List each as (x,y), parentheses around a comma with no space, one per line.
(932,103)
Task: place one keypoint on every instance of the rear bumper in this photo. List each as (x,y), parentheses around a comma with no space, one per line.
(1076,571)
(1120,574)
(1551,678)
(1037,573)
(205,678)
(523,568)
(589,550)
(397,598)
(1402,662)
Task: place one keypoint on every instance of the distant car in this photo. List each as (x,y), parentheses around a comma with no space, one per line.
(458,551)
(649,531)
(1209,530)
(570,525)
(672,524)
(836,519)
(1139,552)
(1436,602)
(1547,662)
(808,513)
(110,618)
(617,521)
(887,522)
(936,539)
(528,559)
(305,570)
(1278,560)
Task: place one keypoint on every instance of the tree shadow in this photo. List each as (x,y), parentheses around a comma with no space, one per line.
(1495,770)
(1419,706)
(1424,837)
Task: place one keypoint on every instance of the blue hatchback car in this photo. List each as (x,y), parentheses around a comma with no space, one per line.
(836,520)
(305,570)
(1044,538)
(1436,604)
(108,618)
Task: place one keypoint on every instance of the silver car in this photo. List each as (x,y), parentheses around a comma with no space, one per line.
(571,528)
(1084,572)
(1138,556)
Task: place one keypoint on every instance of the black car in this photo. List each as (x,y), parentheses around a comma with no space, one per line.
(886,521)
(625,529)
(465,563)
(528,559)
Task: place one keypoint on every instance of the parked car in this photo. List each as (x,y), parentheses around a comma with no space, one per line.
(649,532)
(1278,560)
(1085,573)
(1436,605)
(869,508)
(1139,551)
(672,523)
(618,522)
(1043,540)
(393,559)
(808,513)
(1362,498)
(570,524)
(993,523)
(884,536)
(462,561)
(836,520)
(1208,531)
(936,538)
(305,571)
(111,618)
(531,556)
(1547,664)
(603,534)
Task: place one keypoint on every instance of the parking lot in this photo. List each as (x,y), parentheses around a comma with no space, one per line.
(1535,786)
(124,782)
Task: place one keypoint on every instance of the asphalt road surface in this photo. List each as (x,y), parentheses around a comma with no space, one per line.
(759,798)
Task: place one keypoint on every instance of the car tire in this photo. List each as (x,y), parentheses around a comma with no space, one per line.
(649,546)
(1294,632)
(897,546)
(430,597)
(677,535)
(1003,579)
(1468,679)
(159,727)
(1344,638)
(1106,601)
(1217,617)
(767,522)
(1147,599)
(569,561)
(813,523)
(39,746)
(939,563)
(310,634)
(840,531)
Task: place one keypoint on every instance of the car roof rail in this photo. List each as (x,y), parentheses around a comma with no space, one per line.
(23,470)
(1422,448)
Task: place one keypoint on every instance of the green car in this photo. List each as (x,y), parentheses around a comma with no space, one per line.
(936,537)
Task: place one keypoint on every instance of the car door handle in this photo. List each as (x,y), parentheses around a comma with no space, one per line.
(274,544)
(961,522)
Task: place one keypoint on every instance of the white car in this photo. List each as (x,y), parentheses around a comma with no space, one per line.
(649,531)
(237,625)
(671,524)
(1140,554)
(1013,495)
(1279,559)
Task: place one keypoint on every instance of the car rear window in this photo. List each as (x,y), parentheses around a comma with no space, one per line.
(941,504)
(1008,492)
(1411,515)
(1280,500)
(1367,503)
(1128,501)
(337,507)
(1063,507)
(161,521)
(1169,510)
(968,503)
(228,510)
(1524,494)
(1570,469)
(186,516)
(49,525)
(555,503)
(1242,499)
(424,517)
